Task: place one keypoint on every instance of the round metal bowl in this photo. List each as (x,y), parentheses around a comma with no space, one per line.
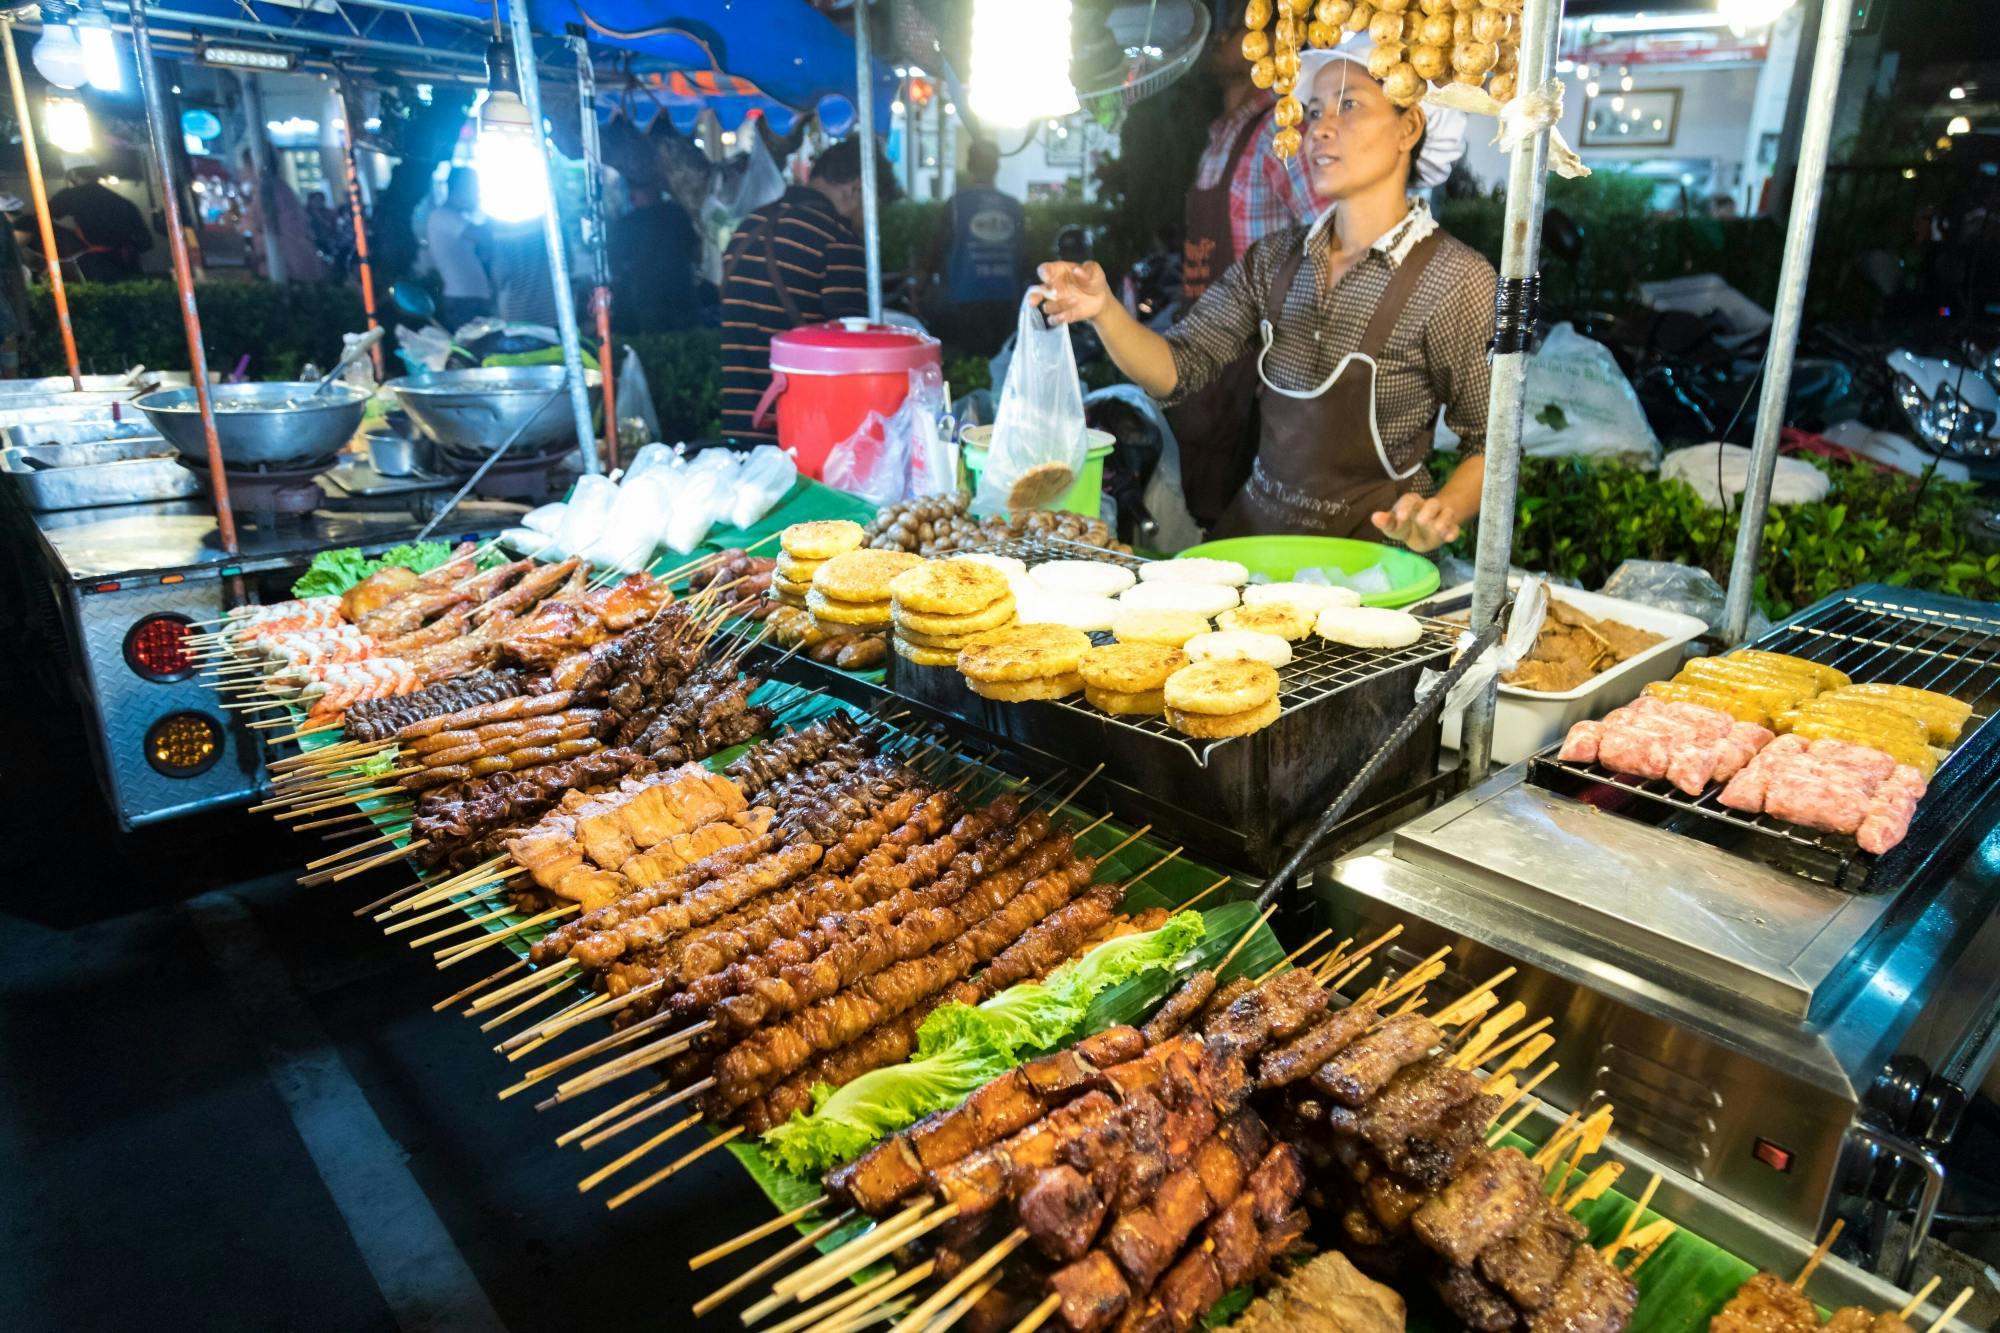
(260,425)
(477,411)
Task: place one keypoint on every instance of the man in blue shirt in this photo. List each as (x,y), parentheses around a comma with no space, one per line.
(979,252)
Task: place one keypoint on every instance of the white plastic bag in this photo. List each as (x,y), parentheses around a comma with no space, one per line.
(766,477)
(547,519)
(589,502)
(428,347)
(933,453)
(1577,401)
(1038,443)
(635,396)
(1793,482)
(1524,623)
(697,493)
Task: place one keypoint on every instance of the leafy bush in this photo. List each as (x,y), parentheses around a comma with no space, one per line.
(1580,520)
(280,326)
(684,373)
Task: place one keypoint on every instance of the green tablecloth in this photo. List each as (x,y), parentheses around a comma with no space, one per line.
(806,501)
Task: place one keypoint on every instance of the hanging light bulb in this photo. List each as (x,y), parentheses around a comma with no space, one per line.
(513,179)
(101,64)
(67,124)
(1016,78)
(57,55)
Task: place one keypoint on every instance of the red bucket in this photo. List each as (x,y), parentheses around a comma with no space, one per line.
(827,378)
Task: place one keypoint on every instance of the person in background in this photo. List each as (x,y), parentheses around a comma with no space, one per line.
(291,226)
(325,224)
(457,245)
(524,289)
(13,290)
(652,250)
(113,231)
(979,249)
(1723,207)
(791,263)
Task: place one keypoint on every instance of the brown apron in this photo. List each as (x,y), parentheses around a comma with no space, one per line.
(1216,443)
(1320,468)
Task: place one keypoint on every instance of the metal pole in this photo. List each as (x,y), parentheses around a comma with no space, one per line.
(170,202)
(40,194)
(1520,251)
(572,342)
(350,107)
(1828,57)
(864,125)
(596,239)
(265,172)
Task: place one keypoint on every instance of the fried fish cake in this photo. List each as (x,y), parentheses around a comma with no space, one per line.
(1024,653)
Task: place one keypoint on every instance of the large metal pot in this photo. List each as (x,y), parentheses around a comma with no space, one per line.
(260,425)
(477,411)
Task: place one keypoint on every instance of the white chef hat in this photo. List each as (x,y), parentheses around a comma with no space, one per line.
(1444,127)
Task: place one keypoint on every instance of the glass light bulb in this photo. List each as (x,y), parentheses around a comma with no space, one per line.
(100,58)
(513,180)
(58,57)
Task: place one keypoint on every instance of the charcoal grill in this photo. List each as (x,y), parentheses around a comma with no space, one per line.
(1240,800)
(1777,1015)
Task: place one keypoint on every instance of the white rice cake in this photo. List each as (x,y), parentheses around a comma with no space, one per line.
(1076,610)
(1369,627)
(1092,578)
(1195,569)
(1310,596)
(1204,599)
(1238,645)
(1006,564)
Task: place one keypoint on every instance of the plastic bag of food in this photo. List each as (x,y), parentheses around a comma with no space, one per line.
(933,453)
(1038,444)
(1578,402)
(547,519)
(652,457)
(695,499)
(590,500)
(635,396)
(633,527)
(766,477)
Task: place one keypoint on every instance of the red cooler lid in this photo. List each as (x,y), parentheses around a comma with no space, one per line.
(851,347)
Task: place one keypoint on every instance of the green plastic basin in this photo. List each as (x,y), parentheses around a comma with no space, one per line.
(1411,577)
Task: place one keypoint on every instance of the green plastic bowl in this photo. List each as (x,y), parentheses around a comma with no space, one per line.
(1411,577)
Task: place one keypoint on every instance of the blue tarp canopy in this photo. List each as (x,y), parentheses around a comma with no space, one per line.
(732,54)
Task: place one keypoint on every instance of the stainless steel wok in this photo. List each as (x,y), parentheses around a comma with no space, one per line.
(477,411)
(260,424)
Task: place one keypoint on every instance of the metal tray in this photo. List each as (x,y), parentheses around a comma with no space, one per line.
(1244,799)
(152,473)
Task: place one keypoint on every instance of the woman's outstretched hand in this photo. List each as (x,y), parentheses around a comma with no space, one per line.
(1422,523)
(1072,293)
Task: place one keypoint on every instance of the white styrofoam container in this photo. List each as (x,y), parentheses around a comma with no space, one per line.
(1529,720)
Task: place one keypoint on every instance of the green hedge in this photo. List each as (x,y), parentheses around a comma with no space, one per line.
(1580,520)
(121,324)
(684,374)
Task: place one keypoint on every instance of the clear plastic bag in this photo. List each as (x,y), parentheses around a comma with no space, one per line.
(699,493)
(1524,623)
(1674,587)
(1038,443)
(635,396)
(766,477)
(589,502)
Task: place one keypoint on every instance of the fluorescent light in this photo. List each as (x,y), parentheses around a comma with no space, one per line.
(1631,23)
(1018,76)
(67,123)
(232,55)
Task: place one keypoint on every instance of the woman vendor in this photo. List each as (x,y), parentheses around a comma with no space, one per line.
(1361,325)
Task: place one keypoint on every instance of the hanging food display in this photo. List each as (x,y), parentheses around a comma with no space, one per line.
(1416,44)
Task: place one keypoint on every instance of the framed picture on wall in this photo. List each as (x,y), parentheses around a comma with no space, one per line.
(1643,118)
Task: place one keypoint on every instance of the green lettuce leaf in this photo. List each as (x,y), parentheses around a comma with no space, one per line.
(334,572)
(962,1046)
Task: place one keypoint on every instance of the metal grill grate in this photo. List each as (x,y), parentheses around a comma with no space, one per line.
(1874,641)
(1318,669)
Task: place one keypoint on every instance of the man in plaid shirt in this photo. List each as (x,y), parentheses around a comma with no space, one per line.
(1261,193)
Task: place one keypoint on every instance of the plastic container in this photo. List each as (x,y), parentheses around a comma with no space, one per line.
(1531,720)
(1085,497)
(1411,577)
(827,378)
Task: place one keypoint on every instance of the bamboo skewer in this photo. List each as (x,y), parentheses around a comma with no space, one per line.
(1359,956)
(458,905)
(1498,1134)
(1292,957)
(1520,1090)
(1243,939)
(971,1273)
(784,1256)
(1819,1254)
(641,1116)
(1618,1242)
(1923,1294)
(449,957)
(532,1002)
(855,1316)
(756,1233)
(1038,1316)
(373,862)
(1593,1186)
(1648,1240)
(1470,996)
(1951,1311)
(877,1247)
(684,1160)
(842,1260)
(494,999)
(1204,893)
(624,1160)
(452,999)
(569,1136)
(845,1300)
(352,850)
